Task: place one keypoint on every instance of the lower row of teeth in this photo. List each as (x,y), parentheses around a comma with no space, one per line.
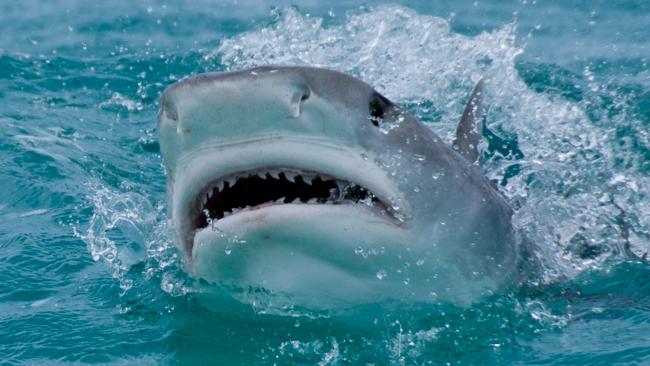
(206,212)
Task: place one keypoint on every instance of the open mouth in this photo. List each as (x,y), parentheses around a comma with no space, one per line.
(251,190)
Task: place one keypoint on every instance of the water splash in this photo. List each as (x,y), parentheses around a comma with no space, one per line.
(118,101)
(126,231)
(312,350)
(116,230)
(566,193)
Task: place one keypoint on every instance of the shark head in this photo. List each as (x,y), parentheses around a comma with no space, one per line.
(311,185)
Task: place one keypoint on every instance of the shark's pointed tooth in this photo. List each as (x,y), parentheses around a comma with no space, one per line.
(280,200)
(275,174)
(296,200)
(220,185)
(312,201)
(232,180)
(291,177)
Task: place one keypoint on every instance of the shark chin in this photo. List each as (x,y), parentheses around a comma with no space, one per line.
(310,186)
(304,252)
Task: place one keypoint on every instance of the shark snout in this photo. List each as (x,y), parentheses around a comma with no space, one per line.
(261,92)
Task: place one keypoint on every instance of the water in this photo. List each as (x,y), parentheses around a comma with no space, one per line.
(88,272)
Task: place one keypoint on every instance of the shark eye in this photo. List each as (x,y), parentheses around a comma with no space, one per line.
(377,107)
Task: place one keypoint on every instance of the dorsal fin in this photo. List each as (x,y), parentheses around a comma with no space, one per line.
(469,129)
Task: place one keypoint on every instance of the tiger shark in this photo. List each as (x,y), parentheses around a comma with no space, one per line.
(309,185)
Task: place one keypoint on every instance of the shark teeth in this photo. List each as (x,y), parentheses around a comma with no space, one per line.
(250,190)
(288,175)
(291,177)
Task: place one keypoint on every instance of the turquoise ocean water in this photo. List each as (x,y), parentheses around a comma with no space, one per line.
(88,270)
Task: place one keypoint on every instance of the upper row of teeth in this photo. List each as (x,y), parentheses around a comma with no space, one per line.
(290,176)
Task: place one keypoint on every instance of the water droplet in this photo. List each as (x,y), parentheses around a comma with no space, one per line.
(361,252)
(381,274)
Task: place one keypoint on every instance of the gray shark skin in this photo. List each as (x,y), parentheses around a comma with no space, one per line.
(309,184)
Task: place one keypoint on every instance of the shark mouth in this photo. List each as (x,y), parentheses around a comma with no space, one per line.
(252,190)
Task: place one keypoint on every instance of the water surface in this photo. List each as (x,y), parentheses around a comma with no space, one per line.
(88,270)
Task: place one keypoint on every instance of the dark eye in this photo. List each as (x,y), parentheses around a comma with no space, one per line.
(377,108)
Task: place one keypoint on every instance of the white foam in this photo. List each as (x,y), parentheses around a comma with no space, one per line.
(120,101)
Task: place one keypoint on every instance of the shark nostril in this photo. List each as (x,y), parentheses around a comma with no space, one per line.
(167,108)
(298,98)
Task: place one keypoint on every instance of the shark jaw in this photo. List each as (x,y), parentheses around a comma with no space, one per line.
(219,182)
(286,197)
